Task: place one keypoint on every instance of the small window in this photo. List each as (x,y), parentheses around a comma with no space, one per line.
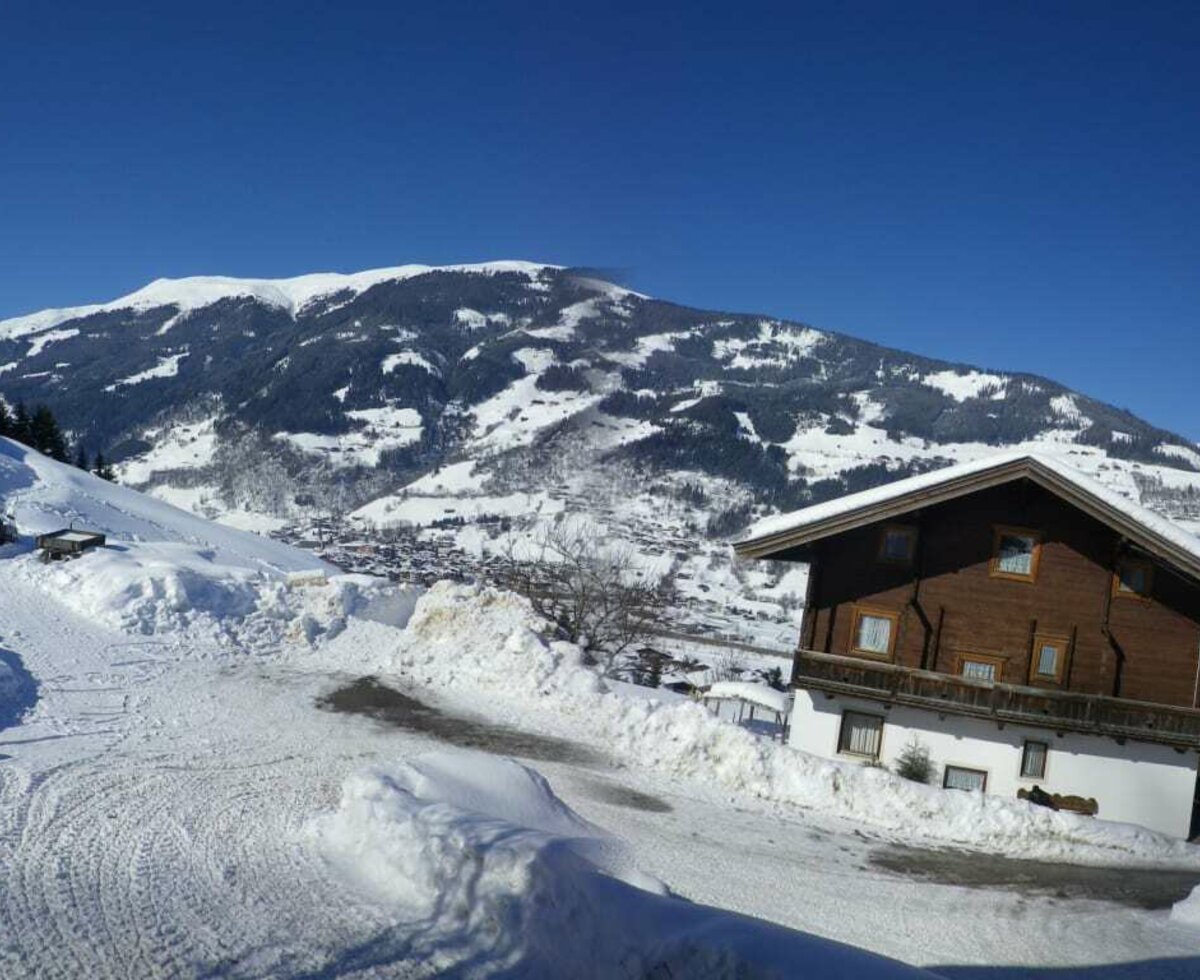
(979,667)
(860,734)
(1033,760)
(958,777)
(1133,578)
(1015,554)
(1049,658)
(897,544)
(873,632)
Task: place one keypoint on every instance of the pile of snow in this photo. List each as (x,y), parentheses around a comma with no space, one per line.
(488,646)
(494,874)
(474,637)
(157,588)
(163,569)
(1187,910)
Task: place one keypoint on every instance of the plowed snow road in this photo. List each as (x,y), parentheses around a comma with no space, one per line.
(155,813)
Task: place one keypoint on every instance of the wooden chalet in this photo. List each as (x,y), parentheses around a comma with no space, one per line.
(1020,620)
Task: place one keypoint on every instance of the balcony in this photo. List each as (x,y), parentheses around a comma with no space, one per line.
(1063,711)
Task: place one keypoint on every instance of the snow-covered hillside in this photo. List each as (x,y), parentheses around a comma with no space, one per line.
(161,565)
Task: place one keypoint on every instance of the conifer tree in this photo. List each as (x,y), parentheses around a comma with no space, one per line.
(81,457)
(45,436)
(20,424)
(103,469)
(5,419)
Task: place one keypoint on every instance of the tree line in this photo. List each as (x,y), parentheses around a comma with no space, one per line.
(40,430)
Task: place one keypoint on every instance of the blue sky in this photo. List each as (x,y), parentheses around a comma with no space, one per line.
(1013,185)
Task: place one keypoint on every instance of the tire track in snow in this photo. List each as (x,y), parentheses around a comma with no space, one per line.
(175,842)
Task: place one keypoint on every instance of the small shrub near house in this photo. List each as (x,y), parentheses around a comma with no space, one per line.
(914,762)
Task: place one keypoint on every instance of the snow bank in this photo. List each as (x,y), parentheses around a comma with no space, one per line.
(163,587)
(487,645)
(487,638)
(18,690)
(758,694)
(165,570)
(493,873)
(1187,910)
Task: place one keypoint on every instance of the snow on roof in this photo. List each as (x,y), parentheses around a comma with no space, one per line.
(760,694)
(1154,525)
(292,294)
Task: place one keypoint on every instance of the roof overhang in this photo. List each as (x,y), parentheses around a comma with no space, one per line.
(1025,468)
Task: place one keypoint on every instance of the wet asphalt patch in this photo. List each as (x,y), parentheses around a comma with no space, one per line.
(626,797)
(366,696)
(1141,888)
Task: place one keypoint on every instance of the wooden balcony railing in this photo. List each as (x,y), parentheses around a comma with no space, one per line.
(1064,711)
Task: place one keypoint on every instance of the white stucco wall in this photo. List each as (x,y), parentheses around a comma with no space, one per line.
(1137,782)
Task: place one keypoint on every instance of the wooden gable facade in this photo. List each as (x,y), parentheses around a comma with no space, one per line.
(1014,589)
(1120,623)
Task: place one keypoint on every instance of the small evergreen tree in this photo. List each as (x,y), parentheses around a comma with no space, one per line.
(81,458)
(5,419)
(914,762)
(103,469)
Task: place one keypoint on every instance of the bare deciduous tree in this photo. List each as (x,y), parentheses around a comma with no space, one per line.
(594,592)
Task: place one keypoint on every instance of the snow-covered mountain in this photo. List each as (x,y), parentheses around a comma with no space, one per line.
(466,396)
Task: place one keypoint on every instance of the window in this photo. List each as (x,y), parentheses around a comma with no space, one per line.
(1049,658)
(958,777)
(1133,578)
(980,667)
(1033,760)
(897,544)
(873,632)
(860,734)
(1015,554)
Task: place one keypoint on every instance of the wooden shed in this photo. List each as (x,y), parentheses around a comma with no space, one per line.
(68,543)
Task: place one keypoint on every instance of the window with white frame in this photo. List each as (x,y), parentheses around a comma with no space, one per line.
(861,734)
(1033,760)
(959,777)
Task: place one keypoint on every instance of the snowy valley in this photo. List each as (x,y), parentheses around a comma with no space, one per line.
(191,784)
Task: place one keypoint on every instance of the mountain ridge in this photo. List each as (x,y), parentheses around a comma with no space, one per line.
(372,380)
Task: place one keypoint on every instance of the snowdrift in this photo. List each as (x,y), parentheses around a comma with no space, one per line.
(497,876)
(165,569)
(488,646)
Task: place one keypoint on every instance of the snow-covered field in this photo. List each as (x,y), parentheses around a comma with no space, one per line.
(174,803)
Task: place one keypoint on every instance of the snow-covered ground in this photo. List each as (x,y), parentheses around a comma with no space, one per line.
(174,803)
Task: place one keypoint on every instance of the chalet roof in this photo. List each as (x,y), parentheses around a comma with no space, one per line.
(1149,531)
